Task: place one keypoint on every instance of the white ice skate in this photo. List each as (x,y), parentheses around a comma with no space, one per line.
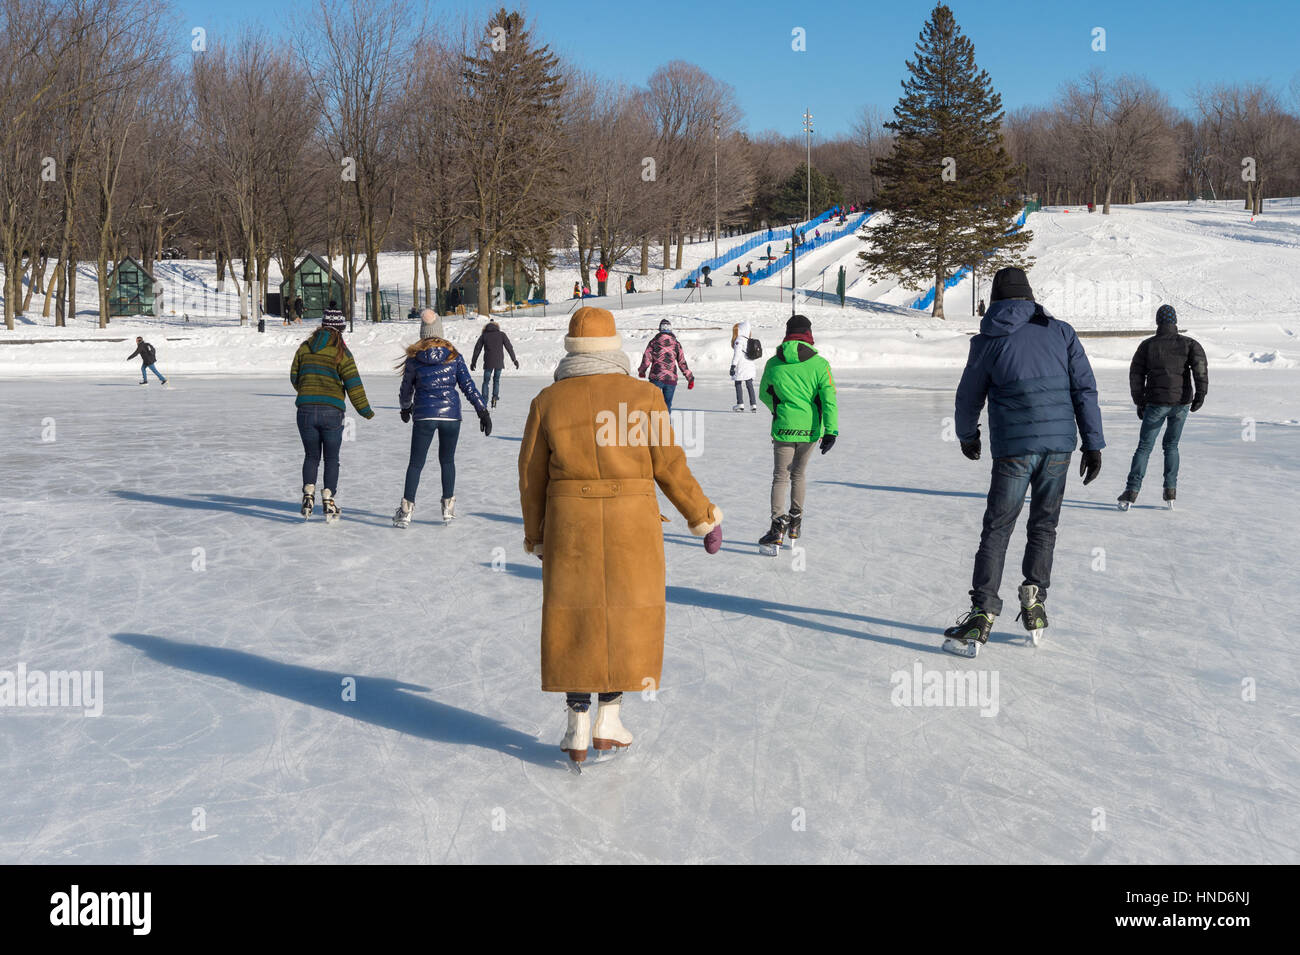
(737,407)
(577,738)
(308,500)
(609,735)
(405,510)
(328,505)
(448,509)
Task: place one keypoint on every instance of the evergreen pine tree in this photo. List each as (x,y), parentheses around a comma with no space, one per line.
(949,187)
(791,201)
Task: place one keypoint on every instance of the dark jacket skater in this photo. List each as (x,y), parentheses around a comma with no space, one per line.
(1034,374)
(148,358)
(493,343)
(1167,378)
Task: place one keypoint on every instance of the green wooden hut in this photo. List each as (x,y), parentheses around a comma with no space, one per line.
(131,289)
(508,270)
(317,283)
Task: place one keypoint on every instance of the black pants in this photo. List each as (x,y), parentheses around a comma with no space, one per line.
(1043,475)
(582,701)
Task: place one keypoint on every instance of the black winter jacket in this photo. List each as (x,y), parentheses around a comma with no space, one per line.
(1168,369)
(493,343)
(146,353)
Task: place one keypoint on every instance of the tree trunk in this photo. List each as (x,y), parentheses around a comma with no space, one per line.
(424,264)
(667,249)
(484,279)
(645,255)
(1250,197)
(1105,210)
(937,311)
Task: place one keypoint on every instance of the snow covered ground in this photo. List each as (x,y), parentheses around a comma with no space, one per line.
(152,536)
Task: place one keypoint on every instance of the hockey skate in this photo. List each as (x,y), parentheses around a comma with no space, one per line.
(769,545)
(308,500)
(969,634)
(405,510)
(1129,497)
(448,509)
(794,525)
(577,738)
(329,506)
(1032,613)
(1170,495)
(494,402)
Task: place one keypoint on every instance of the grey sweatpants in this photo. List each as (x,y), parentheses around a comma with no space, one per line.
(790,461)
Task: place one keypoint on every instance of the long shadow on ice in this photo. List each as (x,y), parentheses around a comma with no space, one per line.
(931,492)
(772,611)
(264,508)
(379,700)
(269,509)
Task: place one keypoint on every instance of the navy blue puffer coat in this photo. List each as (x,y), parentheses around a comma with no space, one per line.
(430,380)
(1036,377)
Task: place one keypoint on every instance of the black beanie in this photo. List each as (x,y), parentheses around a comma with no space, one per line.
(1166,313)
(1011,283)
(797,323)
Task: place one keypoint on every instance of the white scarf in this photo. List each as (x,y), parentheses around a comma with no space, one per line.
(593,363)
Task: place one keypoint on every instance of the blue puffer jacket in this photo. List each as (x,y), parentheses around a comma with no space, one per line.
(430,380)
(1036,377)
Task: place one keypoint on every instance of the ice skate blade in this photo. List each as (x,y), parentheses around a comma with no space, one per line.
(1036,636)
(607,744)
(961,648)
(1122,505)
(770,550)
(1169,505)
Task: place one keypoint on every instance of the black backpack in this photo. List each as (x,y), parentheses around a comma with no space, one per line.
(753,349)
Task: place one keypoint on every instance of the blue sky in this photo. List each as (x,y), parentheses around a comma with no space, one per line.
(856,50)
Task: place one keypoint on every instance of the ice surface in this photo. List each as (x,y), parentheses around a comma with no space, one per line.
(775,737)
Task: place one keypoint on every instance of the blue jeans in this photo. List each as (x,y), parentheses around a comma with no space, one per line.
(668,390)
(153,368)
(321,430)
(1152,421)
(422,433)
(495,375)
(1012,477)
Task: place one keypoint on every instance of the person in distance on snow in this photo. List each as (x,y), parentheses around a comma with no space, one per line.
(591,515)
(148,358)
(432,371)
(1168,377)
(493,344)
(1035,375)
(322,370)
(742,365)
(799,390)
(662,357)
(602,276)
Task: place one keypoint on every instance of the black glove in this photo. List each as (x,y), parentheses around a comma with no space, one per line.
(828,442)
(732,373)
(1197,402)
(471,367)
(972,448)
(1090,466)
(485,422)
(516,364)
(406,416)
(1142,411)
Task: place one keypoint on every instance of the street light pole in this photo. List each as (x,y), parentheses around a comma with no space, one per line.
(808,128)
(717,220)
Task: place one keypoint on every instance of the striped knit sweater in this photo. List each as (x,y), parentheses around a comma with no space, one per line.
(320,376)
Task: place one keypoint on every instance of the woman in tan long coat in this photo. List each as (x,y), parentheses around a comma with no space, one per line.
(596,444)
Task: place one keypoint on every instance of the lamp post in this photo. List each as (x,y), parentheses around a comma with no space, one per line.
(717,219)
(808,128)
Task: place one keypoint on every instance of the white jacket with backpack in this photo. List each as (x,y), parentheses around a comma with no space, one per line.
(744,366)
